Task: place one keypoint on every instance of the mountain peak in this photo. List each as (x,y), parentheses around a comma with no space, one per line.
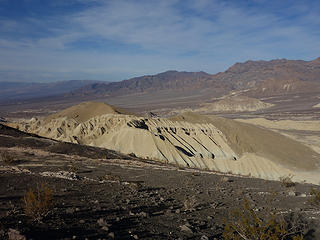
(170,71)
(316,60)
(268,75)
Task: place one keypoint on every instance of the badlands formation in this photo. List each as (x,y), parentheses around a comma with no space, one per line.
(235,104)
(188,140)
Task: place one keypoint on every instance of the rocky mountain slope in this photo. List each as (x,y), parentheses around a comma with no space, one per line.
(249,74)
(166,81)
(262,78)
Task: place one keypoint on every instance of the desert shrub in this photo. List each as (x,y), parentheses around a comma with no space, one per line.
(190,204)
(6,157)
(286,181)
(315,200)
(72,168)
(247,225)
(39,202)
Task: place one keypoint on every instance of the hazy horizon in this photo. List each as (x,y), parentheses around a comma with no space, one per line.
(118,80)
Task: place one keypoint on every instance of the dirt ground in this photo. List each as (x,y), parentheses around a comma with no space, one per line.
(113,196)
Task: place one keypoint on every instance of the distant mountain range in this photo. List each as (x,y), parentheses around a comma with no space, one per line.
(252,78)
(276,77)
(256,78)
(166,81)
(27,90)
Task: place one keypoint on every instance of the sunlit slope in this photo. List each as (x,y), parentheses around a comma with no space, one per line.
(247,138)
(185,144)
(86,110)
(187,140)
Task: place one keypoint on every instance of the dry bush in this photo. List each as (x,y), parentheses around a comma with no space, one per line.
(6,157)
(190,204)
(39,202)
(73,168)
(287,181)
(247,225)
(315,200)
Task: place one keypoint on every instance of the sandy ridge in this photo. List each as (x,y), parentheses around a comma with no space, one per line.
(190,141)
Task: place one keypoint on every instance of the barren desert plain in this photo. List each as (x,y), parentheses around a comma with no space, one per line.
(159,120)
(162,164)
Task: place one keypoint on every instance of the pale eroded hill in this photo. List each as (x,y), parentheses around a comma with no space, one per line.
(317,105)
(188,140)
(186,144)
(86,110)
(234,104)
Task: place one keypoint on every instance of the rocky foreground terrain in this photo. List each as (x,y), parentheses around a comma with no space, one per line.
(102,194)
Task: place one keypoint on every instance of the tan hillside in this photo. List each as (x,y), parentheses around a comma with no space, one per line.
(235,104)
(284,124)
(244,137)
(307,132)
(185,144)
(317,105)
(189,140)
(259,143)
(86,110)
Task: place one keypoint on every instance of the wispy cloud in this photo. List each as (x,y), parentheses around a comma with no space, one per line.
(113,40)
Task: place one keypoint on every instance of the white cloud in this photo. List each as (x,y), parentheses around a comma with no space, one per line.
(170,34)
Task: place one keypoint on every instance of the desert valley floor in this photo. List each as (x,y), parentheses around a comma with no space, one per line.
(104,194)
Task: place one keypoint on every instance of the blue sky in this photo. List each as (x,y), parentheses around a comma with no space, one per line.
(50,40)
